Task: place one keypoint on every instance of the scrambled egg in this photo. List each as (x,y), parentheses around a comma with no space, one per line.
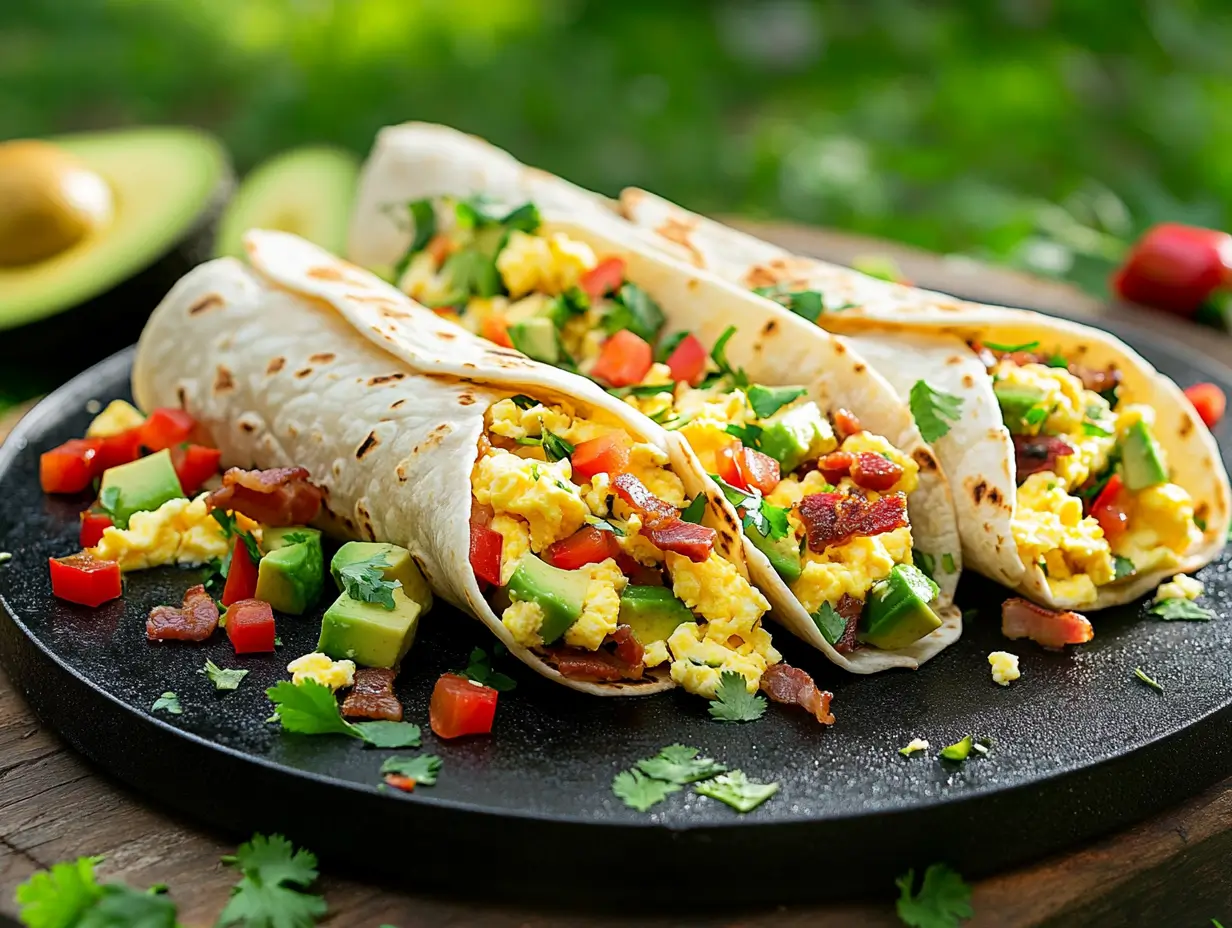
(524,619)
(537,491)
(792,489)
(1180,587)
(179,531)
(510,421)
(699,661)
(1051,531)
(421,281)
(1004,667)
(117,418)
(535,263)
(322,669)
(655,654)
(850,568)
(1161,527)
(600,609)
(516,535)
(649,465)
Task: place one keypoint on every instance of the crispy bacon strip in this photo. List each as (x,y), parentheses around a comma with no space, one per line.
(372,696)
(874,472)
(851,609)
(1021,618)
(1097,381)
(832,518)
(1036,453)
(626,646)
(661,521)
(195,620)
(836,465)
(281,496)
(846,424)
(652,509)
(793,686)
(618,658)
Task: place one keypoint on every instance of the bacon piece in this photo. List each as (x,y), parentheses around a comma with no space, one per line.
(874,472)
(1035,453)
(627,647)
(1021,618)
(846,424)
(652,509)
(618,658)
(692,541)
(832,518)
(281,496)
(372,696)
(1097,381)
(195,620)
(836,465)
(851,609)
(793,686)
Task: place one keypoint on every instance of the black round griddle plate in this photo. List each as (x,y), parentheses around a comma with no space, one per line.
(1079,745)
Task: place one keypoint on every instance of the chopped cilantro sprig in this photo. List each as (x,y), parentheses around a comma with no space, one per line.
(933,411)
(943,900)
(733,702)
(365,581)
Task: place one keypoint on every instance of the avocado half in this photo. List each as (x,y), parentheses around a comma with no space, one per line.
(63,311)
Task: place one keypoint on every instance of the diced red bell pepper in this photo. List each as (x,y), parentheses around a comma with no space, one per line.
(1110,509)
(588,545)
(1175,268)
(1209,402)
(115,450)
(93,524)
(495,328)
(194,464)
(486,546)
(250,626)
(461,706)
(241,576)
(397,781)
(166,427)
(624,359)
(70,467)
(603,278)
(727,467)
(759,471)
(439,248)
(688,360)
(85,579)
(607,454)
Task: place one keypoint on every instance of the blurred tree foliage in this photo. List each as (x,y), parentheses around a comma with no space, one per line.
(1039,132)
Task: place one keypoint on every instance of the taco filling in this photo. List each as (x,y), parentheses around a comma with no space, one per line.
(824,500)
(1095,504)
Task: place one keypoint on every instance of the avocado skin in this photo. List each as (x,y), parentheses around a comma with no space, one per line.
(37,356)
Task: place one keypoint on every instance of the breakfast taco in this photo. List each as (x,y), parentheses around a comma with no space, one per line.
(846,517)
(583,535)
(1082,476)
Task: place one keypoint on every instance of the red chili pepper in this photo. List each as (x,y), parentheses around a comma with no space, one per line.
(727,466)
(688,360)
(603,278)
(194,464)
(486,546)
(460,707)
(85,579)
(1109,509)
(624,359)
(166,427)
(242,575)
(93,524)
(250,626)
(607,454)
(759,471)
(70,467)
(1175,268)
(588,545)
(1208,401)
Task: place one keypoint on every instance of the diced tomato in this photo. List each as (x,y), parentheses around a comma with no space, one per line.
(1175,268)
(495,328)
(486,546)
(242,575)
(250,626)
(115,450)
(836,465)
(588,545)
(460,707)
(194,464)
(603,278)
(1110,509)
(846,424)
(1208,401)
(688,360)
(759,471)
(85,579)
(607,454)
(727,466)
(397,781)
(440,247)
(166,427)
(70,467)
(624,359)
(93,524)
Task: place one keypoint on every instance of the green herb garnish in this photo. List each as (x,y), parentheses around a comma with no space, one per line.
(268,894)
(677,763)
(718,354)
(1010,349)
(222,678)
(942,902)
(733,702)
(958,751)
(947,563)
(766,401)
(638,791)
(633,309)
(522,401)
(737,790)
(168,702)
(480,670)
(1141,675)
(1181,609)
(423,768)
(227,522)
(554,447)
(695,510)
(933,410)
(1091,428)
(365,581)
(67,895)
(1121,567)
(829,623)
(109,503)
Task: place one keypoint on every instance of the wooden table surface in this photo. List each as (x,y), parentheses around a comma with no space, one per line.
(1170,871)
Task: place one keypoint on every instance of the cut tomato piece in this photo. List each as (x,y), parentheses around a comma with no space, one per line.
(486,546)
(70,467)
(194,464)
(1110,509)
(688,360)
(603,278)
(624,359)
(93,524)
(250,626)
(440,247)
(588,545)
(1209,401)
(85,579)
(1175,268)
(461,706)
(607,454)
(115,450)
(759,471)
(241,576)
(727,466)
(495,328)
(166,427)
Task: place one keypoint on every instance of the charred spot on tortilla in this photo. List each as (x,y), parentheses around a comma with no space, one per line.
(693,284)
(396,403)
(994,496)
(860,368)
(323,358)
(248,426)
(400,471)
(759,276)
(386,378)
(466,399)
(1186,425)
(978,491)
(968,381)
(840,348)
(206,302)
(223,381)
(954,359)
(468,365)
(677,230)
(769,327)
(337,468)
(182,395)
(367,445)
(924,459)
(275,365)
(303,372)
(448,336)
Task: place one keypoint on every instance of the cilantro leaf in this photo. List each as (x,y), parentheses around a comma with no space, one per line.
(604,525)
(718,354)
(522,401)
(109,502)
(737,790)
(829,623)
(677,763)
(265,896)
(809,304)
(1173,609)
(933,410)
(386,734)
(365,581)
(169,702)
(766,401)
(423,225)
(422,769)
(227,522)
(733,702)
(1091,428)
(1141,675)
(1010,349)
(749,435)
(309,708)
(124,907)
(1122,567)
(57,898)
(480,670)
(696,510)
(524,218)
(222,678)
(943,900)
(554,447)
(638,791)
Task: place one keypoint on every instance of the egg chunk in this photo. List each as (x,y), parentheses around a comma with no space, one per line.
(1179,587)
(180,531)
(320,668)
(537,491)
(1052,532)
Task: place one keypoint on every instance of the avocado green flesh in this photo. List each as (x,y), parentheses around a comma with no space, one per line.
(653,612)
(783,553)
(794,435)
(536,338)
(1141,458)
(399,567)
(1015,403)
(306,191)
(368,633)
(291,576)
(560,594)
(897,612)
(162,181)
(144,484)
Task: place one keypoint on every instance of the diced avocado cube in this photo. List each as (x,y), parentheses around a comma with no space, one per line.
(1016,402)
(897,612)
(291,575)
(397,565)
(368,633)
(559,593)
(536,338)
(796,434)
(1142,460)
(783,553)
(140,486)
(653,612)
(118,417)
